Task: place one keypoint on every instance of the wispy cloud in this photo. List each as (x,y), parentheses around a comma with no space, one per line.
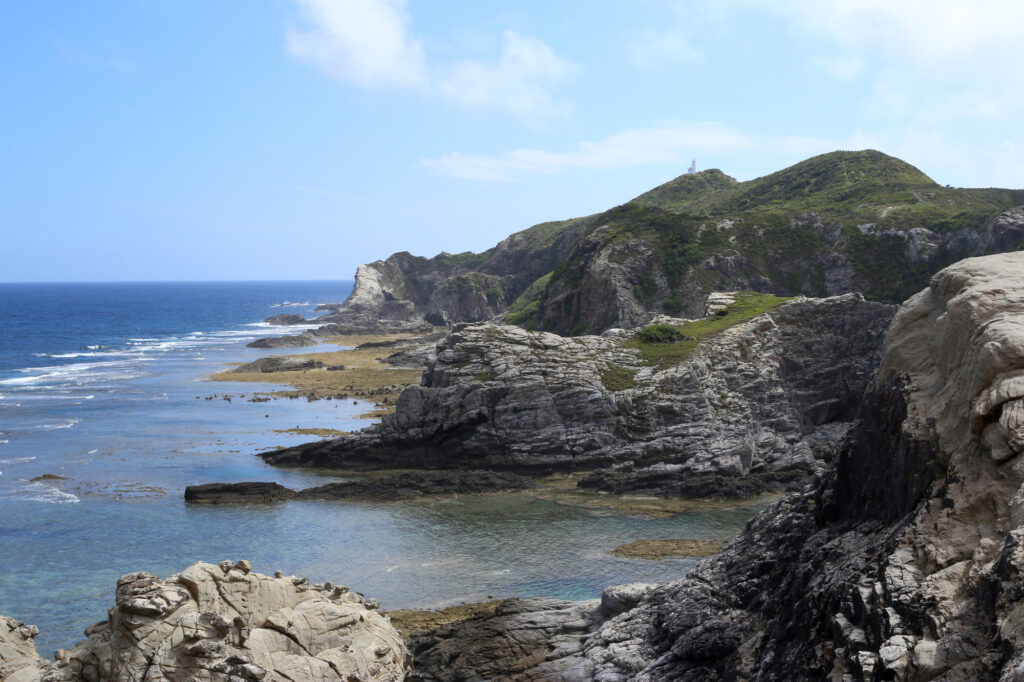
(654,47)
(521,81)
(369,43)
(364,42)
(670,144)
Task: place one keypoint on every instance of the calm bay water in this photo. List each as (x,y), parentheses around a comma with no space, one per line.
(104,385)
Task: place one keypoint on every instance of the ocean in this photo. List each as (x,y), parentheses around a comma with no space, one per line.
(106,415)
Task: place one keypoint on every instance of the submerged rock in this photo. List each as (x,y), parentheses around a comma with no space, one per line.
(759,408)
(221,622)
(403,486)
(902,562)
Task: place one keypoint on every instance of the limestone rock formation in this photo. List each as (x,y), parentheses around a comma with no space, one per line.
(760,407)
(904,561)
(18,659)
(223,622)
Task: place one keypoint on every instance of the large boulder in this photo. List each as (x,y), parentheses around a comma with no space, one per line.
(216,622)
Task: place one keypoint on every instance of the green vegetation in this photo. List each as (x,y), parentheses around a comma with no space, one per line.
(659,350)
(616,378)
(788,226)
(523,310)
(661,333)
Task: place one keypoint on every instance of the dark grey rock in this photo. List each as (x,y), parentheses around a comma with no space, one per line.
(279,364)
(233,493)
(287,319)
(288,341)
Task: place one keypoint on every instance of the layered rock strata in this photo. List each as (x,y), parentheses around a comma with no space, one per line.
(904,561)
(222,622)
(759,407)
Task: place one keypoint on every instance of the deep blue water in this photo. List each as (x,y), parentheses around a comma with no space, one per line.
(104,385)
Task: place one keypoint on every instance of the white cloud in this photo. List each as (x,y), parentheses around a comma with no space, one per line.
(365,42)
(934,33)
(671,144)
(519,82)
(658,46)
(369,43)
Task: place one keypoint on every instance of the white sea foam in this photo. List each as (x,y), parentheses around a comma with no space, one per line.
(63,425)
(93,451)
(40,492)
(17,460)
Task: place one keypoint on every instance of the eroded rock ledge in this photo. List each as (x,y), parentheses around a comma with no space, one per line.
(215,622)
(761,407)
(903,561)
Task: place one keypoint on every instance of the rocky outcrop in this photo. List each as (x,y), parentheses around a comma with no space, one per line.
(764,402)
(404,486)
(288,341)
(278,364)
(238,493)
(903,561)
(19,661)
(837,223)
(287,319)
(222,622)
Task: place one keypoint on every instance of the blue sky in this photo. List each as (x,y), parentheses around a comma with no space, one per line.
(295,139)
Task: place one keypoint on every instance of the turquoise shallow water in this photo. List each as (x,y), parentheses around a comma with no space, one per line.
(104,386)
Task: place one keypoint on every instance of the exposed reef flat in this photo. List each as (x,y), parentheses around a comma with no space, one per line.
(214,622)
(659,549)
(360,372)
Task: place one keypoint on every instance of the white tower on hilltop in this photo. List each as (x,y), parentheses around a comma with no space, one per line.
(693,168)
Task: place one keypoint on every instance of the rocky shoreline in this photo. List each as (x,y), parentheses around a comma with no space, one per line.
(898,557)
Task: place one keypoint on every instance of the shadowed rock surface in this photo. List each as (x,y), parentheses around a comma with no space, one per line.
(904,560)
(403,486)
(221,622)
(758,408)
(238,493)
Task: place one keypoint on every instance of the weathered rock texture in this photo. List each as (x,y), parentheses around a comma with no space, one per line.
(904,561)
(18,659)
(759,407)
(222,622)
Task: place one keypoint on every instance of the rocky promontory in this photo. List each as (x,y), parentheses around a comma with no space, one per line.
(758,407)
(842,222)
(215,622)
(903,561)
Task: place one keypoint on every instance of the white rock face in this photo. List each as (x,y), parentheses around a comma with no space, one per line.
(223,622)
